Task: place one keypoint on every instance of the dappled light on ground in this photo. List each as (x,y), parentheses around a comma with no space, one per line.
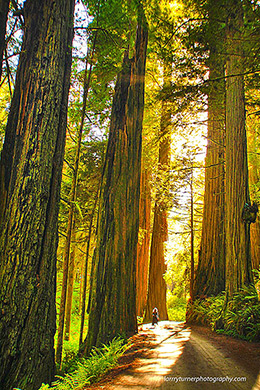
(174,356)
(165,352)
(169,349)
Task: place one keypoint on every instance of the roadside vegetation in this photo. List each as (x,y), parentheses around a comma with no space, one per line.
(84,371)
(239,318)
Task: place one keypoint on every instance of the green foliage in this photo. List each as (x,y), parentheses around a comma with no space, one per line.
(90,370)
(4,109)
(240,317)
(206,311)
(71,346)
(176,307)
(176,275)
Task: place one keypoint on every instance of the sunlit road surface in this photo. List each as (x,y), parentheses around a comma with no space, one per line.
(181,360)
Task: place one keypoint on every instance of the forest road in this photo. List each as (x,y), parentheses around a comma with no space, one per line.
(184,358)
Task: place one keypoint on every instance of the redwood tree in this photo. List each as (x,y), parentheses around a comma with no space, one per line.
(238,259)
(143,247)
(113,289)
(210,275)
(30,177)
(157,286)
(255,228)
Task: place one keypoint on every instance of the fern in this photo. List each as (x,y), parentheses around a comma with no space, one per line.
(89,370)
(241,317)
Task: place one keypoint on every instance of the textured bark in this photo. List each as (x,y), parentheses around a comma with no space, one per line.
(254,177)
(30,177)
(4,8)
(210,274)
(255,227)
(238,259)
(157,286)
(255,244)
(113,286)
(143,246)
(192,259)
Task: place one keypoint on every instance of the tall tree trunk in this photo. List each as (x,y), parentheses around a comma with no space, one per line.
(113,287)
(85,276)
(210,274)
(255,228)
(157,286)
(255,244)
(30,178)
(254,177)
(238,258)
(192,260)
(70,285)
(4,8)
(143,246)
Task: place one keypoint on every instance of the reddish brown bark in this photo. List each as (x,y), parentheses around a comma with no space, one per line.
(255,227)
(157,286)
(113,289)
(210,274)
(238,257)
(143,246)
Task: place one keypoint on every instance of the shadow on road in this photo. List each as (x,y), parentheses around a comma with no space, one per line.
(184,358)
(205,365)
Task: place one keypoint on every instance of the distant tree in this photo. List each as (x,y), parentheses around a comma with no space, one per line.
(143,246)
(71,274)
(30,178)
(4,8)
(156,296)
(187,209)
(113,290)
(72,200)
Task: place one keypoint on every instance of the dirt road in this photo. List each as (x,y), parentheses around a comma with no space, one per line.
(184,358)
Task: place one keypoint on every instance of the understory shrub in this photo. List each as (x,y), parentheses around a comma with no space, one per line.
(90,369)
(239,318)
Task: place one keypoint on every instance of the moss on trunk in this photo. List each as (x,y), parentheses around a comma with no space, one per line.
(30,177)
